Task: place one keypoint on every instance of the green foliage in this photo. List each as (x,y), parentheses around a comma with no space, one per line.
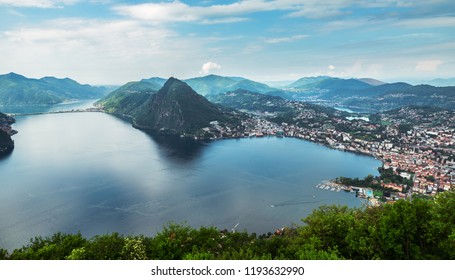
(199,256)
(403,128)
(368,182)
(388,176)
(330,224)
(134,249)
(421,229)
(3,254)
(311,251)
(105,247)
(56,247)
(77,254)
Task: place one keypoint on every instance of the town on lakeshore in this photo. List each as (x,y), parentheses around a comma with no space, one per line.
(422,154)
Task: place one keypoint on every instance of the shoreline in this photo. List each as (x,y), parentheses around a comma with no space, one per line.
(364,194)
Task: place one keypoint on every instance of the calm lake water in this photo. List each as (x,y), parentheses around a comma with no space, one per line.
(94,173)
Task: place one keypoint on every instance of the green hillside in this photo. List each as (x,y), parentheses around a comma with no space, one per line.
(174,109)
(126,99)
(177,108)
(19,90)
(213,84)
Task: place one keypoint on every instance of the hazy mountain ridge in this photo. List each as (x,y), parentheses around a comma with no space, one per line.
(242,99)
(417,115)
(214,84)
(16,89)
(369,94)
(364,94)
(439,82)
(421,95)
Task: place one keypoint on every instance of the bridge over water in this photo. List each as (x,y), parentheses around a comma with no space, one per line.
(57,112)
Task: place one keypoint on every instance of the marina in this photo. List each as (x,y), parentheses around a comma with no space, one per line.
(365,194)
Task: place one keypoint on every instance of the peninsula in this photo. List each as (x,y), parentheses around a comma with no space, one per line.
(6,143)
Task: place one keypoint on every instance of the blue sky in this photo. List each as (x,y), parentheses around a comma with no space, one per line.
(113,42)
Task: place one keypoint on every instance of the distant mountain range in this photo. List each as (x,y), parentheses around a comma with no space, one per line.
(214,84)
(242,99)
(363,94)
(19,90)
(438,82)
(368,94)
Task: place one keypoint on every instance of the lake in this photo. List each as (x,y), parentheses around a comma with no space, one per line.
(94,173)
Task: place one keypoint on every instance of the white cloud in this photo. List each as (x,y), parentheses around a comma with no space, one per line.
(37,3)
(428,65)
(96,51)
(331,70)
(209,66)
(285,39)
(177,11)
(433,22)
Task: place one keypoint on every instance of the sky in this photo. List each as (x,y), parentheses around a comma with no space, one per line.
(107,42)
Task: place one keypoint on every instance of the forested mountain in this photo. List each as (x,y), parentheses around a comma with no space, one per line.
(177,108)
(213,84)
(125,100)
(251,101)
(307,81)
(174,109)
(19,90)
(156,80)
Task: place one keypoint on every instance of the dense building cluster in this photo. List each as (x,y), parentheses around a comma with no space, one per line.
(417,143)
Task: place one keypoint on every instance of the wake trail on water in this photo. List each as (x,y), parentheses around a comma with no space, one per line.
(295,202)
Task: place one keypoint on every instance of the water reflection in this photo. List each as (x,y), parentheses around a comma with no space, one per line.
(177,149)
(6,156)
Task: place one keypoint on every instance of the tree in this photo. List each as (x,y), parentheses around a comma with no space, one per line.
(330,224)
(56,247)
(105,247)
(3,254)
(133,249)
(442,226)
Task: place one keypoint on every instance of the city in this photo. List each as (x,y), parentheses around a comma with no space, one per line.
(423,153)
